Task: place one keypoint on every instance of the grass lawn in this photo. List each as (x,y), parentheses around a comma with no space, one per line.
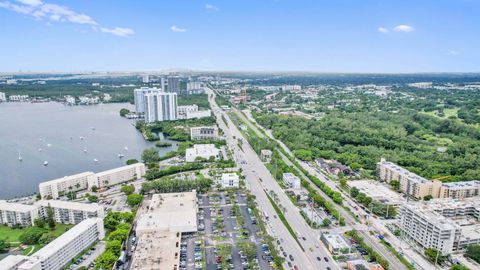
(447,113)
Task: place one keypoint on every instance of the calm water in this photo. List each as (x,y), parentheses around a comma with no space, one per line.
(25,128)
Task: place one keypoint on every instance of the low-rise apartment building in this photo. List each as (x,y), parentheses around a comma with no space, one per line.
(55,188)
(460,190)
(229,180)
(204,133)
(69,212)
(117,176)
(16,214)
(60,251)
(205,151)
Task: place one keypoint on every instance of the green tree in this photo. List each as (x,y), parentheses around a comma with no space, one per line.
(119,234)
(473,252)
(94,188)
(40,222)
(326,222)
(434,256)
(132,161)
(459,267)
(427,197)
(92,198)
(31,236)
(395,185)
(106,260)
(128,189)
(50,218)
(354,192)
(124,112)
(4,246)
(150,155)
(304,154)
(114,246)
(134,199)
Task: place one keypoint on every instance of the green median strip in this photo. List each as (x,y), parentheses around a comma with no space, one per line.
(284,220)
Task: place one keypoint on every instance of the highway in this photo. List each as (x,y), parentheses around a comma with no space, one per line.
(349,220)
(259,180)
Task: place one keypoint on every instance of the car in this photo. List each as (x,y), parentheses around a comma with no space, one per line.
(319,259)
(325,258)
(291,257)
(284,254)
(289,264)
(328,268)
(304,239)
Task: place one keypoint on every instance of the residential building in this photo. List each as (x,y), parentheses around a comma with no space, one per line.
(291,180)
(159,228)
(117,176)
(410,183)
(68,212)
(60,251)
(229,180)
(16,214)
(266,155)
(160,106)
(205,151)
(199,114)
(194,87)
(3,97)
(18,98)
(335,243)
(173,84)
(182,110)
(447,225)
(53,189)
(204,133)
(460,190)
(139,97)
(146,78)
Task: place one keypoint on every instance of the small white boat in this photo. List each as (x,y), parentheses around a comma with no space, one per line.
(48,144)
(95,160)
(121,155)
(19,157)
(45,163)
(81,138)
(125,148)
(84,150)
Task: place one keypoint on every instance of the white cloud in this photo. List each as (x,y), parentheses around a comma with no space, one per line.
(174,28)
(403,28)
(40,10)
(118,31)
(453,52)
(383,30)
(33,3)
(211,7)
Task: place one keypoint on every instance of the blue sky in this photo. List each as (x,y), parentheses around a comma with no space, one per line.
(243,35)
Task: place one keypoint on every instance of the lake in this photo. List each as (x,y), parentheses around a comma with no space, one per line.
(52,132)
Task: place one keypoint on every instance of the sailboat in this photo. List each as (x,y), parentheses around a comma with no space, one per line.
(81,138)
(125,148)
(19,156)
(95,160)
(121,155)
(45,163)
(48,144)
(85,150)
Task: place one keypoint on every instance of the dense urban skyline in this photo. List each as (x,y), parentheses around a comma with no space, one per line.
(267,35)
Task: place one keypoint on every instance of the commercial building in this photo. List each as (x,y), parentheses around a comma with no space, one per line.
(205,151)
(291,180)
(183,110)
(159,228)
(117,176)
(60,251)
(335,243)
(266,155)
(139,97)
(199,114)
(67,212)
(160,106)
(173,84)
(229,180)
(55,188)
(377,192)
(3,97)
(204,133)
(195,88)
(410,183)
(447,225)
(16,214)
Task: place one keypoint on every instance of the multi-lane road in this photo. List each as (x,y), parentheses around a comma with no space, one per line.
(309,253)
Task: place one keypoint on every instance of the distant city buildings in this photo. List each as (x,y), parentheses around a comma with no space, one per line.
(16,214)
(291,180)
(421,85)
(146,78)
(3,97)
(18,98)
(194,87)
(159,228)
(60,251)
(160,106)
(55,188)
(173,84)
(229,180)
(419,187)
(204,133)
(204,151)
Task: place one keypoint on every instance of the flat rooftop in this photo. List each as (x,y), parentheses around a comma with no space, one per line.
(17,207)
(176,212)
(86,207)
(59,180)
(378,191)
(156,250)
(336,241)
